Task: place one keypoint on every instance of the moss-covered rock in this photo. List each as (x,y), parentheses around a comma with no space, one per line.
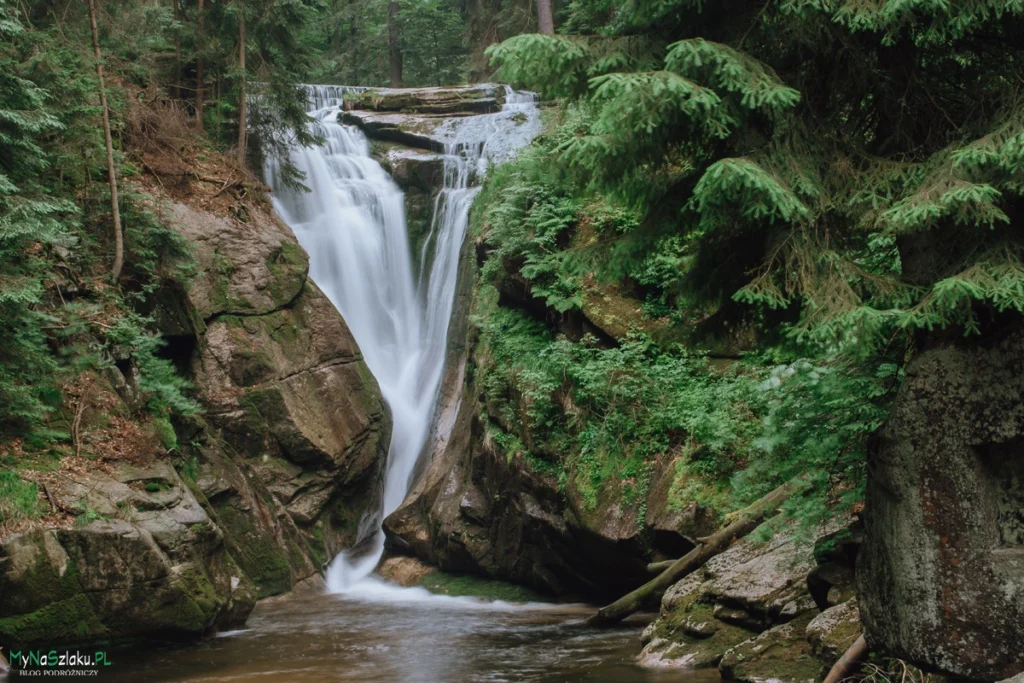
(832,632)
(147,562)
(459,585)
(779,654)
(65,621)
(480,98)
(732,604)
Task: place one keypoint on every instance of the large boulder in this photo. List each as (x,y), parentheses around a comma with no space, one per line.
(832,632)
(147,562)
(941,570)
(781,653)
(738,595)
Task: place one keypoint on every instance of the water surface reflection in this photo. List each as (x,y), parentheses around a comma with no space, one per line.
(327,638)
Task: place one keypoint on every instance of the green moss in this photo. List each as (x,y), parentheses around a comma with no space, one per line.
(318,543)
(195,607)
(255,551)
(164,431)
(445,583)
(70,620)
(41,584)
(781,653)
(288,266)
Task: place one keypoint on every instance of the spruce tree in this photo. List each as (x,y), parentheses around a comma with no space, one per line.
(30,224)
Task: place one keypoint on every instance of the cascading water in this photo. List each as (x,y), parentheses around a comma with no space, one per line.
(352,223)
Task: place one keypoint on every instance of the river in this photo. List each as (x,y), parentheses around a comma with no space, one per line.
(320,638)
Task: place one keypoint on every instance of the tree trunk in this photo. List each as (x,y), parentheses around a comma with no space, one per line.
(115,271)
(241,97)
(199,71)
(743,523)
(842,669)
(545,22)
(177,50)
(394,45)
(354,54)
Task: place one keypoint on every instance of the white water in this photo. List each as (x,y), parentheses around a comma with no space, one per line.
(352,224)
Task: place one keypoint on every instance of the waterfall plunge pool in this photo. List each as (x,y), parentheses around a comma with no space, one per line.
(326,638)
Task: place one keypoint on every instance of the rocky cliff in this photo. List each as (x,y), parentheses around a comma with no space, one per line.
(170,531)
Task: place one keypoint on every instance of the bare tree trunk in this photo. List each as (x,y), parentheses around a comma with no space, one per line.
(241,98)
(394,45)
(177,51)
(199,71)
(545,22)
(742,523)
(844,667)
(353,30)
(437,57)
(115,271)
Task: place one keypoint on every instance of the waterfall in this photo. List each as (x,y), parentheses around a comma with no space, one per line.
(352,223)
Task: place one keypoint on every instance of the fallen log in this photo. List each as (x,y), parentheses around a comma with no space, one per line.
(741,524)
(843,668)
(659,567)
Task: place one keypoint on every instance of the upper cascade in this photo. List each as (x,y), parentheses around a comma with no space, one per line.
(353,224)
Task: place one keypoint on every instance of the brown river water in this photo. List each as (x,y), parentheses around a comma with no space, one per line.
(316,638)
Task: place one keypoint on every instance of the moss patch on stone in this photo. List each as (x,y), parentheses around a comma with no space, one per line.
(459,585)
(255,552)
(66,621)
(288,266)
(780,653)
(196,607)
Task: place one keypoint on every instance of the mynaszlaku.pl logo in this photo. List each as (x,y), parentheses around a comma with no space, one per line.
(57,662)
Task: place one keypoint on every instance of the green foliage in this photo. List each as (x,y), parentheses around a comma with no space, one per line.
(711,124)
(57,316)
(87,515)
(817,421)
(19,499)
(353,42)
(157,376)
(30,225)
(724,68)
(604,414)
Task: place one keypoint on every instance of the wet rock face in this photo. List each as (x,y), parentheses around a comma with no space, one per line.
(152,564)
(296,430)
(941,571)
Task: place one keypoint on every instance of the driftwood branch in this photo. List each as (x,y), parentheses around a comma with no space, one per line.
(741,524)
(844,667)
(659,567)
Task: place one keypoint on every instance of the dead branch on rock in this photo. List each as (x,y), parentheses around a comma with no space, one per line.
(741,524)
